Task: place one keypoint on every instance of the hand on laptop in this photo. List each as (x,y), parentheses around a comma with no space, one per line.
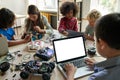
(90,62)
(70,71)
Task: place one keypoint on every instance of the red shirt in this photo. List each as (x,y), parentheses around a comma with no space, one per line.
(68,24)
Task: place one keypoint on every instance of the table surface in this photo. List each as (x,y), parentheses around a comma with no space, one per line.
(56,74)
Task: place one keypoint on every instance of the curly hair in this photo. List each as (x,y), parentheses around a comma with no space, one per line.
(67,6)
(7,18)
(93,14)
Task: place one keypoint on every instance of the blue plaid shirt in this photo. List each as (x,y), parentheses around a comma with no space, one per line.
(107,70)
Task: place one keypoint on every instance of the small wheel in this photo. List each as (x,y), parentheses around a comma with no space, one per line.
(24,75)
(46,76)
(4,66)
(52,65)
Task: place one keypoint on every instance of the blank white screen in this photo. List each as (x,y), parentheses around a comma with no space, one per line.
(69,48)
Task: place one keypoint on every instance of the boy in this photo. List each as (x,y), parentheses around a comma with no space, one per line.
(107,30)
(7,19)
(92,16)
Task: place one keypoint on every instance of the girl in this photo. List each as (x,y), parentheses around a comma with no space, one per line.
(36,22)
(68,22)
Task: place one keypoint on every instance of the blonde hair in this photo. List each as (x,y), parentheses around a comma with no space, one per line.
(94,14)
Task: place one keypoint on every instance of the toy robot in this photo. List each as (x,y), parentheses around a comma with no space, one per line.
(43,69)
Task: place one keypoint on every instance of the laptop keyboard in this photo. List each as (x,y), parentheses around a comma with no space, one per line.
(78,63)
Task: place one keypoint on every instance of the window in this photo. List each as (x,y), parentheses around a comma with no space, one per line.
(44,4)
(105,6)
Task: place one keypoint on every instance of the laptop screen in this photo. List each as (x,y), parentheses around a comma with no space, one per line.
(69,48)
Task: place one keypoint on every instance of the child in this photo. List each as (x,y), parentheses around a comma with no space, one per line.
(68,22)
(107,30)
(7,19)
(36,23)
(91,17)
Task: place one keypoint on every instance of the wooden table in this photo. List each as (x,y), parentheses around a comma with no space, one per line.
(56,75)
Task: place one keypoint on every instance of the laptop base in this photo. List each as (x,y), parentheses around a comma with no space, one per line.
(80,72)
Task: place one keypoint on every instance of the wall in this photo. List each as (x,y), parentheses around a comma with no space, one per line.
(117,7)
(17,6)
(85,10)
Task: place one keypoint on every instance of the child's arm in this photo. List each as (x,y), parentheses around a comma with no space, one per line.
(39,30)
(17,42)
(49,28)
(62,26)
(65,33)
(75,26)
(86,34)
(13,38)
(89,37)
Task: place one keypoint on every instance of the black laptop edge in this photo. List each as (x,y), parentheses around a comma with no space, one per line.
(72,58)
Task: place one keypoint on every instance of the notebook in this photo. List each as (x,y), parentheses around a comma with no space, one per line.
(3,46)
(71,49)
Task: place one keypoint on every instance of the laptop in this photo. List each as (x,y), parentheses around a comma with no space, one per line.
(71,50)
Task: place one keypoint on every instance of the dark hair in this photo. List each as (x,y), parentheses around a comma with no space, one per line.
(7,18)
(32,9)
(107,28)
(67,6)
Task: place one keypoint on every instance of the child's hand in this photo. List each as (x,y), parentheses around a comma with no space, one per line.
(38,29)
(27,38)
(70,71)
(65,33)
(90,62)
(89,37)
